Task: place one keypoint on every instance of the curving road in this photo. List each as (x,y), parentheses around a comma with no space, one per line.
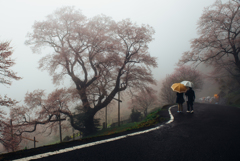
(211,133)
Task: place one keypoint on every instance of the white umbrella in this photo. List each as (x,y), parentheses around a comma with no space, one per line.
(187,83)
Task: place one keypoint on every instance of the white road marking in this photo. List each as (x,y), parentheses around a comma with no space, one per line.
(171,116)
(95,143)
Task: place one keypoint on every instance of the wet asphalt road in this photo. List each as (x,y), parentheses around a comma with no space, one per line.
(211,133)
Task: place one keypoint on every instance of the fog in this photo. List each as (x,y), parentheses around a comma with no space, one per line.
(174,21)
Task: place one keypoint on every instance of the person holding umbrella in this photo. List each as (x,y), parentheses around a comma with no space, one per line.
(190,94)
(180,100)
(180,89)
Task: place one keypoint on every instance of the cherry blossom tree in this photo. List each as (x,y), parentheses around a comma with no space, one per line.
(39,113)
(218,41)
(9,141)
(166,95)
(41,110)
(6,75)
(6,62)
(144,100)
(101,56)
(180,74)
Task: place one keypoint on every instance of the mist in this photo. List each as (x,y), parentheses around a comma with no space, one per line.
(174,22)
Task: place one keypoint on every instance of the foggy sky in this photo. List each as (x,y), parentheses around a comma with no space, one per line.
(174,23)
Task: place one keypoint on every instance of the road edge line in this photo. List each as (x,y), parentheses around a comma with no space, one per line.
(171,116)
(38,156)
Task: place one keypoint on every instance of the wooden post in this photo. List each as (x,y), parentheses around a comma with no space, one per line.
(73,134)
(103,125)
(11,128)
(73,128)
(59,115)
(11,134)
(106,117)
(34,140)
(60,130)
(118,108)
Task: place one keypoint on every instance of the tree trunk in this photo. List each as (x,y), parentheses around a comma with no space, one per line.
(89,123)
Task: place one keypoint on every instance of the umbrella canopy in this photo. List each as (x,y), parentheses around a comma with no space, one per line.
(178,87)
(187,83)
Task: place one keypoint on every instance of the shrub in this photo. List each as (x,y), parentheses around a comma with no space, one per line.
(135,116)
(67,138)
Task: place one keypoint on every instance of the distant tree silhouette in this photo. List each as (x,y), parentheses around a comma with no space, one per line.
(144,100)
(180,74)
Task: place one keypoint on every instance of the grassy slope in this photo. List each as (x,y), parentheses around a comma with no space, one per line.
(151,119)
(158,116)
